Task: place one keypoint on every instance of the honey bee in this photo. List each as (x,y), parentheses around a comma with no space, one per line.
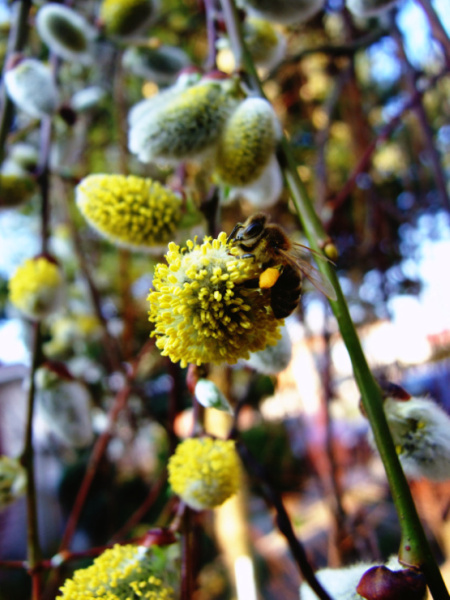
(282,261)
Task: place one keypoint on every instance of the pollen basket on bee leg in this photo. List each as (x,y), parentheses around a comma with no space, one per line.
(269,277)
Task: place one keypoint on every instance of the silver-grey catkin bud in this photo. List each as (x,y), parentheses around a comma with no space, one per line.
(31,86)
(67,33)
(184,127)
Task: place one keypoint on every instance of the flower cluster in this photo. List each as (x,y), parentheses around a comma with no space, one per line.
(12,480)
(130,211)
(247,143)
(65,32)
(370,8)
(265,43)
(284,11)
(126,17)
(420,430)
(120,573)
(182,122)
(31,86)
(204,472)
(36,287)
(161,64)
(64,405)
(16,186)
(204,308)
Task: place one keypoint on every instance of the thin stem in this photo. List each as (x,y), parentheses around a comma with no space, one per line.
(282,519)
(139,514)
(437,29)
(384,134)
(16,42)
(33,546)
(96,456)
(210,62)
(187,555)
(415,548)
(419,110)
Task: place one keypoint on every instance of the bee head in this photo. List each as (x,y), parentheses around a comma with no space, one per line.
(252,229)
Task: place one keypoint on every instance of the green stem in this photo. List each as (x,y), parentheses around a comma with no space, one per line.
(415,548)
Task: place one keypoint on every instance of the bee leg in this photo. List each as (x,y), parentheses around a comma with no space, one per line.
(247,255)
(251,284)
(232,235)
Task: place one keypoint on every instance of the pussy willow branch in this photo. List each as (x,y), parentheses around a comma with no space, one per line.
(415,548)
(421,115)
(384,134)
(33,545)
(16,42)
(437,28)
(283,521)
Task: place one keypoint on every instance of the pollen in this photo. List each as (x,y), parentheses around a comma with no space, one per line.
(204,472)
(129,211)
(203,308)
(269,277)
(120,573)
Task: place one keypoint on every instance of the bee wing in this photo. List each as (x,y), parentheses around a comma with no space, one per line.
(295,258)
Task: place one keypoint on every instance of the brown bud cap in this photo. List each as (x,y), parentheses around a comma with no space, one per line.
(158,537)
(59,368)
(380,583)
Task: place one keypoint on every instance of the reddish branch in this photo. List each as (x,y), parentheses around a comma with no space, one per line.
(384,134)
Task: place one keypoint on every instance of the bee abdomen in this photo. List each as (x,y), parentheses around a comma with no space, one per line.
(285,294)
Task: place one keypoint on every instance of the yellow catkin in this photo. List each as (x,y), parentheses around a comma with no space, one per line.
(131,211)
(120,573)
(203,308)
(204,472)
(35,288)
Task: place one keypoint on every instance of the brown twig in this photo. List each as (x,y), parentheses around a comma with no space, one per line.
(27,459)
(419,111)
(384,134)
(283,521)
(437,28)
(138,515)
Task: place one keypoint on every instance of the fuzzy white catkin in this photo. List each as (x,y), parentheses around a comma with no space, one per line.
(421,432)
(341,583)
(67,33)
(184,124)
(370,8)
(31,87)
(65,408)
(287,12)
